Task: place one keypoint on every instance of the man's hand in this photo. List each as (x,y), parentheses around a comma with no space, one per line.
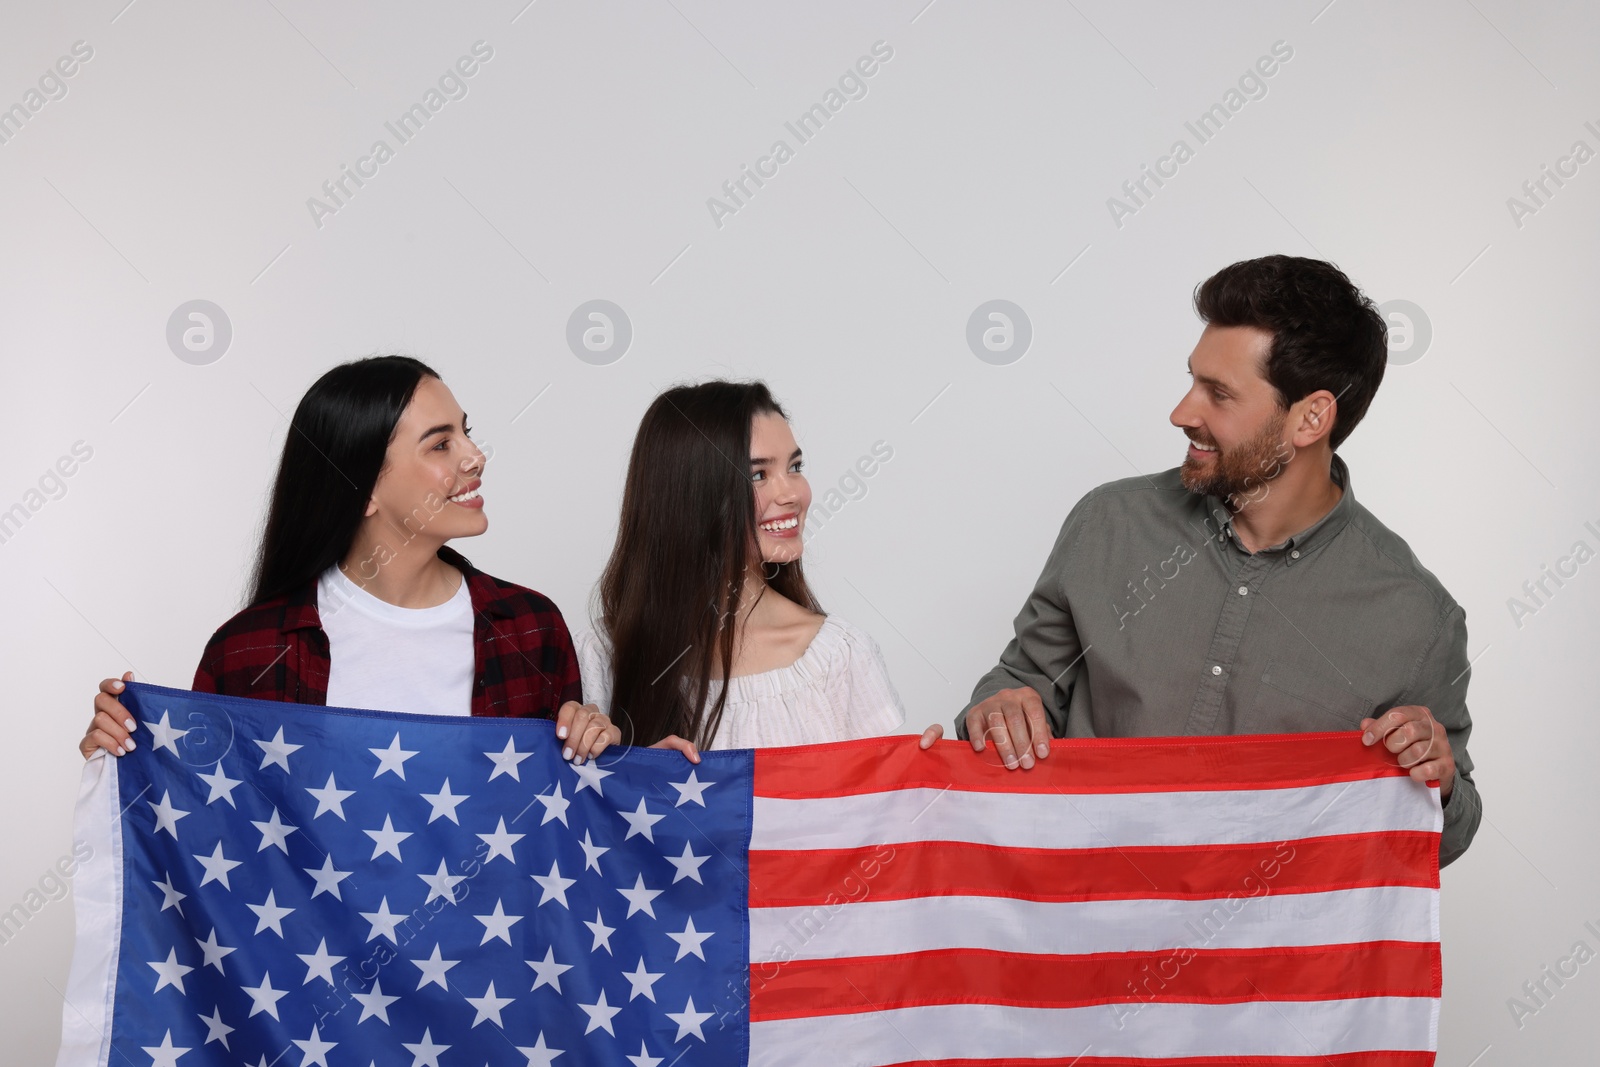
(1015,721)
(1417,739)
(586,729)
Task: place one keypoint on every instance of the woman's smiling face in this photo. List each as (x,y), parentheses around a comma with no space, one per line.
(429,485)
(782,494)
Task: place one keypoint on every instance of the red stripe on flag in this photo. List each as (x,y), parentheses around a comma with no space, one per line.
(1343,1059)
(785,878)
(1102,765)
(809,988)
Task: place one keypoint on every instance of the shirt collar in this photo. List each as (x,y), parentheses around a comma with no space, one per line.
(1313,536)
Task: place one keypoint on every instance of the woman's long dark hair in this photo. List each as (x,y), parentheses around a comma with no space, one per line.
(331,459)
(675,582)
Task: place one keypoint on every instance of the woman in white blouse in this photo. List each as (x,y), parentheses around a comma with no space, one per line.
(709,636)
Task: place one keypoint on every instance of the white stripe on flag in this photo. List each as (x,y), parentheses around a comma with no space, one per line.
(1094,820)
(991,1032)
(1002,924)
(97,902)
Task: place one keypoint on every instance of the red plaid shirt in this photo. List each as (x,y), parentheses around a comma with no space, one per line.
(524,664)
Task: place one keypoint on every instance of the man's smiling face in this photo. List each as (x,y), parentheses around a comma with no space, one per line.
(1231,414)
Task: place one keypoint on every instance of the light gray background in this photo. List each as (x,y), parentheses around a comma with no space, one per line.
(977,167)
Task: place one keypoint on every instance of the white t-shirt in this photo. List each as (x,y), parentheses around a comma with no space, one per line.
(837,690)
(388,658)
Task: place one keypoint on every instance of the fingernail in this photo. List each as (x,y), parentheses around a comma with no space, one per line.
(1011,764)
(1367,739)
(120,751)
(578,762)
(566,753)
(561,732)
(1042,748)
(131,745)
(116,685)
(130,724)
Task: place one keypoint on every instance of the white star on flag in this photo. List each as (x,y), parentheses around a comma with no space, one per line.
(442,883)
(392,758)
(217,867)
(170,972)
(500,842)
(640,821)
(216,1029)
(164,734)
(374,1003)
(555,806)
(554,886)
(642,981)
(320,964)
(164,1054)
(444,803)
(489,1006)
(691,791)
(600,1014)
(167,816)
(170,897)
(589,777)
(387,840)
(688,865)
(639,898)
(497,925)
(539,1054)
(689,940)
(274,833)
(425,1053)
(383,921)
(434,969)
(268,915)
(602,933)
(547,971)
(222,786)
(213,952)
(507,760)
(263,997)
(330,798)
(591,853)
(644,1059)
(327,878)
(315,1049)
(689,1021)
(276,752)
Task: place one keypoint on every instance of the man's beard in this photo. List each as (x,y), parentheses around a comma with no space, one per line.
(1239,473)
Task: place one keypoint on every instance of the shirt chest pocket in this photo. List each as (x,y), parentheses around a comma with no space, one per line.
(1292,693)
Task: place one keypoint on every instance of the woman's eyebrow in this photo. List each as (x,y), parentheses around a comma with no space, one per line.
(761,461)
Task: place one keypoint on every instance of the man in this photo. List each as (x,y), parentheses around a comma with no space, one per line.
(1246,592)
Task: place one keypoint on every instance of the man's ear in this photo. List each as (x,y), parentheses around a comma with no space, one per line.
(1318,411)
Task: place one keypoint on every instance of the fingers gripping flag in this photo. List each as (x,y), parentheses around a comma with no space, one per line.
(295,885)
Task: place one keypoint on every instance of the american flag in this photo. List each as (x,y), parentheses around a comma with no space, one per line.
(276,884)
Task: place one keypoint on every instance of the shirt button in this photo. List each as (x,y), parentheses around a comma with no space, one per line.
(1295,554)
(1216,670)
(1244,590)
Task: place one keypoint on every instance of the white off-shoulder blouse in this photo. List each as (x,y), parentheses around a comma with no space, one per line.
(837,690)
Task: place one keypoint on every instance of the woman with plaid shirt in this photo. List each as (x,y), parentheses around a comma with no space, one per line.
(356,599)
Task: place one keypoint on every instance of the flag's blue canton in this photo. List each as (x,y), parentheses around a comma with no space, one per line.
(344,888)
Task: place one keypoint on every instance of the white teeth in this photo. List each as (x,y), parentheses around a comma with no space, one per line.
(1204,448)
(785,524)
(462,497)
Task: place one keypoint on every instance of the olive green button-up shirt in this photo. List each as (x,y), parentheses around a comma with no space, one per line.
(1151,619)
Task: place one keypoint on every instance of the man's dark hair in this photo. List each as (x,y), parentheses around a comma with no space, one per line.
(1326,334)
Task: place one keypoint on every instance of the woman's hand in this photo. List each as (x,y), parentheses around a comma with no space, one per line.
(112,726)
(683,745)
(586,729)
